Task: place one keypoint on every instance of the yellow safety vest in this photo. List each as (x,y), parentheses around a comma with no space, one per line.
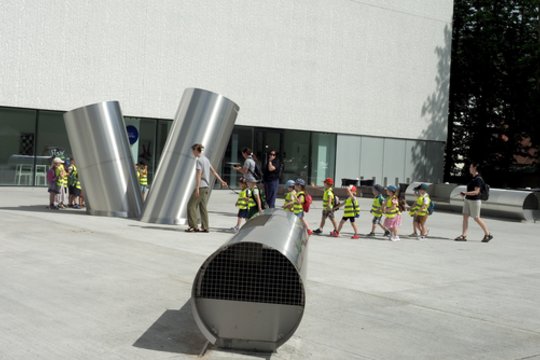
(143,177)
(288,199)
(251,198)
(242,202)
(420,203)
(391,211)
(376,206)
(328,194)
(351,208)
(59,177)
(298,207)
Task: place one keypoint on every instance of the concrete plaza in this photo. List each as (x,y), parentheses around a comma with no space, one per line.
(74,286)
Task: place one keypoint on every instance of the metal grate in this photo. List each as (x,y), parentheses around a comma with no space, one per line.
(254,273)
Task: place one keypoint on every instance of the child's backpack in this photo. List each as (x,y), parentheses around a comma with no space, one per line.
(307,202)
(431,207)
(337,202)
(484,191)
(256,172)
(51,176)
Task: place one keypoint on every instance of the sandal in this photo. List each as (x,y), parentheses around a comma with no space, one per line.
(461,238)
(204,230)
(487,238)
(190,229)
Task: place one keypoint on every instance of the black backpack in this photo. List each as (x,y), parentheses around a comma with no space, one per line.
(484,191)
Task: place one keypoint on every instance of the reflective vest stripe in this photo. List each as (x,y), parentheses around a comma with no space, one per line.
(419,203)
(242,202)
(298,206)
(328,194)
(376,206)
(351,208)
(391,210)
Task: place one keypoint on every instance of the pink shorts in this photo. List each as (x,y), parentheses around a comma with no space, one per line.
(394,222)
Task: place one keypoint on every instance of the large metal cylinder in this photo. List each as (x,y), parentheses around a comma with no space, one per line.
(203,117)
(249,294)
(100,146)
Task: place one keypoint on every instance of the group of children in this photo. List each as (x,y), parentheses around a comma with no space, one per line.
(63,180)
(386,202)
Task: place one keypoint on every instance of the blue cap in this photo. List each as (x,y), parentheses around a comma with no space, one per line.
(391,188)
(290,183)
(300,182)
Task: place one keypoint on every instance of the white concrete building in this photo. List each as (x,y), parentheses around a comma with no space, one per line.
(342,88)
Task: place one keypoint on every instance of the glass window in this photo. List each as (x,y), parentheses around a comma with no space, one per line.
(295,153)
(242,136)
(323,157)
(17,146)
(163,129)
(144,149)
(52,139)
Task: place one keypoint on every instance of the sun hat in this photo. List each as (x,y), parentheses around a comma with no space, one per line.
(290,183)
(58,160)
(329,181)
(391,188)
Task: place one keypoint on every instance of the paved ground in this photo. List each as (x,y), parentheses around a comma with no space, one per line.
(74,286)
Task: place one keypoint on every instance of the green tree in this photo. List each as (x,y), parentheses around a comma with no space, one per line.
(494,108)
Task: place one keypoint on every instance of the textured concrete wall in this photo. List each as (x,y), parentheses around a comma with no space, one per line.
(370,67)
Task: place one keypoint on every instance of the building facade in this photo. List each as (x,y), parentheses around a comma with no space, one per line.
(341,88)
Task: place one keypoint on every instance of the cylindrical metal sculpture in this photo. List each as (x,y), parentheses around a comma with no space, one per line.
(99,142)
(250,294)
(203,117)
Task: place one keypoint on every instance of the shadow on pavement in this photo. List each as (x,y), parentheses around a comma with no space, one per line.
(176,331)
(44,208)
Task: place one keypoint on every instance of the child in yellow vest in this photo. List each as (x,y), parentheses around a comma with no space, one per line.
(290,196)
(299,200)
(142,176)
(242,204)
(377,209)
(421,211)
(351,211)
(328,206)
(392,212)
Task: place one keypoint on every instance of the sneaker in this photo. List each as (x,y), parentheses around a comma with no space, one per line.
(395,238)
(421,238)
(53,207)
(317,231)
(355,236)
(413,235)
(334,233)
(387,233)
(234,229)
(487,238)
(371,234)
(75,206)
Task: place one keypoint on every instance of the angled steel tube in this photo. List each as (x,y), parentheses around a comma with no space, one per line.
(250,293)
(99,142)
(203,117)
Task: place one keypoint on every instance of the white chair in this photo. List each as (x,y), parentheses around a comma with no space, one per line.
(40,177)
(23,173)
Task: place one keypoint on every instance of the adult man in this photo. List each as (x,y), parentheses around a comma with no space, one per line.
(271,178)
(199,197)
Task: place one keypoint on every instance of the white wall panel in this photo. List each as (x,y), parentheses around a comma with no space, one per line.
(348,157)
(336,66)
(372,155)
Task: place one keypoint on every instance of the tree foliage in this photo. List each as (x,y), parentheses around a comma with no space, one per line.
(494,109)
